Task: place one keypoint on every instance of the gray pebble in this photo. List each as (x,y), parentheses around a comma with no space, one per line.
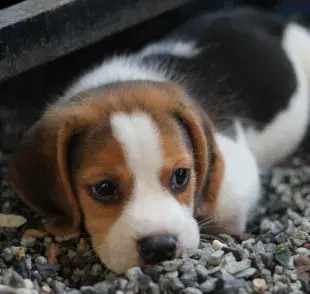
(271,248)
(191,290)
(7,254)
(187,266)
(96,269)
(58,286)
(281,238)
(213,270)
(7,277)
(176,285)
(235,267)
(202,273)
(144,282)
(88,290)
(40,260)
(172,265)
(215,258)
(305,225)
(174,274)
(28,242)
(102,287)
(246,273)
(153,288)
(17,280)
(283,256)
(208,286)
(133,273)
(154,272)
(189,278)
(122,283)
(133,286)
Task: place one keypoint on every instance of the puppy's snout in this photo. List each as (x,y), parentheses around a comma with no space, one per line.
(155,249)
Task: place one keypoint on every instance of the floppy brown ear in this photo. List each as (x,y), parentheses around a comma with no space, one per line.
(209,163)
(38,172)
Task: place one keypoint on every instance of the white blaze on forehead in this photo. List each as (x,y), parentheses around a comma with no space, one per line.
(152,209)
(140,139)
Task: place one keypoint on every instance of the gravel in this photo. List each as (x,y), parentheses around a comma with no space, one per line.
(272,257)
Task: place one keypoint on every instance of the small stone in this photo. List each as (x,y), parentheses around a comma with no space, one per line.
(246,273)
(281,238)
(174,274)
(46,288)
(271,248)
(187,266)
(215,258)
(52,252)
(28,242)
(133,273)
(202,273)
(102,287)
(87,290)
(305,225)
(208,286)
(40,260)
(7,254)
(217,245)
(266,225)
(176,285)
(154,272)
(66,238)
(189,278)
(47,270)
(17,280)
(278,269)
(260,284)
(144,282)
(236,267)
(230,285)
(28,284)
(213,270)
(122,284)
(191,290)
(37,234)
(172,265)
(283,256)
(11,221)
(280,287)
(291,229)
(96,269)
(153,288)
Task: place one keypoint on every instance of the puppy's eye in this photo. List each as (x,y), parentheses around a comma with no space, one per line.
(105,191)
(180,179)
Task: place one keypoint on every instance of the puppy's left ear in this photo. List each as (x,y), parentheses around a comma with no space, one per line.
(209,165)
(38,172)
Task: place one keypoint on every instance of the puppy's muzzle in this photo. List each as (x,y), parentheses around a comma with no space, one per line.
(155,249)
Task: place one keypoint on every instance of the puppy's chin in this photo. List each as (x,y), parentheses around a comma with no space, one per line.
(119,250)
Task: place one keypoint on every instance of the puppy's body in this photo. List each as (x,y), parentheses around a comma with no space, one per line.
(223,97)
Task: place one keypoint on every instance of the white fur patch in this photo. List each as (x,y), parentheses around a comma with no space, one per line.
(152,209)
(285,132)
(178,48)
(240,189)
(116,69)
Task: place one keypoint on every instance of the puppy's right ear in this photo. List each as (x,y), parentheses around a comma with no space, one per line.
(38,172)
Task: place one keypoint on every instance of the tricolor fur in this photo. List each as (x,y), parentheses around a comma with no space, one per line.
(224,97)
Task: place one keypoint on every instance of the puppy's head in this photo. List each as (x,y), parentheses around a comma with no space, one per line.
(130,159)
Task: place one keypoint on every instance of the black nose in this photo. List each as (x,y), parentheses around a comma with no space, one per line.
(155,249)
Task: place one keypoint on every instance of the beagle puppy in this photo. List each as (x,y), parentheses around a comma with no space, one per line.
(144,144)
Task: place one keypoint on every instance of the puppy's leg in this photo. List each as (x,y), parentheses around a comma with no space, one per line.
(240,189)
(279,138)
